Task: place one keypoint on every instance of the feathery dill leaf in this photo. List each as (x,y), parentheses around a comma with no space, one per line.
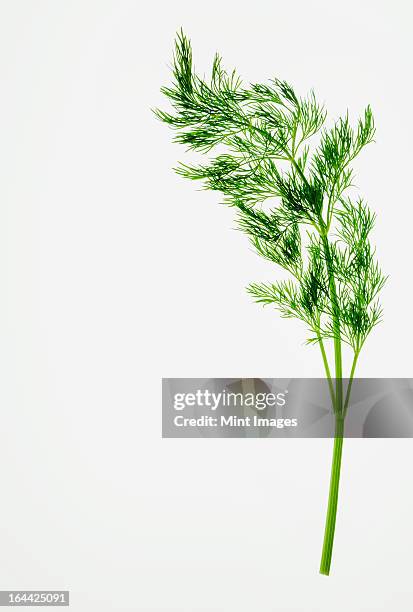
(266,131)
(270,155)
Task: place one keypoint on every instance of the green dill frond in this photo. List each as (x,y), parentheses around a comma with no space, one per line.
(272,145)
(269,153)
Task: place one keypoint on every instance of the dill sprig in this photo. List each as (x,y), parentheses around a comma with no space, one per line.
(271,144)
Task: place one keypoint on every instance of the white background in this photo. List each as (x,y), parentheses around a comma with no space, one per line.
(115,272)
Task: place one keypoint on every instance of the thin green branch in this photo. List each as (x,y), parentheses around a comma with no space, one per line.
(350,382)
(327,369)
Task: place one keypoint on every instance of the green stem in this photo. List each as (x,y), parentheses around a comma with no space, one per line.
(339,415)
(327,368)
(350,382)
(335,477)
(332,498)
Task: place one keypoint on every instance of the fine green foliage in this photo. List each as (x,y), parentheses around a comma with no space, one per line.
(288,177)
(266,132)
